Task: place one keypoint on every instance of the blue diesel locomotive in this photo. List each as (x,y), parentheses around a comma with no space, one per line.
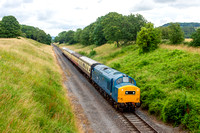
(118,87)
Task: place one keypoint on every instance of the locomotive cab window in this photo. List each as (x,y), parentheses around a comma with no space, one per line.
(125,80)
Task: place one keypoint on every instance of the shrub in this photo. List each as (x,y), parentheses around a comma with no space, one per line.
(176,34)
(196,39)
(175,108)
(116,66)
(82,53)
(148,38)
(92,53)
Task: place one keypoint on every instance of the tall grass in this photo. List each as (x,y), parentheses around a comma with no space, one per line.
(32,98)
(169,81)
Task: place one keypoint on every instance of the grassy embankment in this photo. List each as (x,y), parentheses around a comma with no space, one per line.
(32,98)
(169,80)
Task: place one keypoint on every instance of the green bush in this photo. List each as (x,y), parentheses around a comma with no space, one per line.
(148,38)
(196,39)
(83,53)
(191,120)
(175,108)
(176,34)
(92,53)
(184,81)
(116,66)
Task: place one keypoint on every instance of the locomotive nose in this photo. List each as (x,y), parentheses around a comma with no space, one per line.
(129,94)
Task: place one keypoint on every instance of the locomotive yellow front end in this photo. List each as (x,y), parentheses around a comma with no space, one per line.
(129,95)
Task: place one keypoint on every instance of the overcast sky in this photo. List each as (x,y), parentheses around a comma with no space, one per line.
(55,16)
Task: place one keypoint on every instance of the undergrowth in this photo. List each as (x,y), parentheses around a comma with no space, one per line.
(169,81)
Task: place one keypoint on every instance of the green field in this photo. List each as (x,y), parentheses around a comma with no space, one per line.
(169,80)
(32,98)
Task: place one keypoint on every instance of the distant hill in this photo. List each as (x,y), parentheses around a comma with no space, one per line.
(188,28)
(192,24)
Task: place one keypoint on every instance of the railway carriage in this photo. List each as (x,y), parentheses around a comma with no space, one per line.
(86,64)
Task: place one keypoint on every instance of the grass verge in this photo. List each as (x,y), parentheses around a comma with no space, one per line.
(32,98)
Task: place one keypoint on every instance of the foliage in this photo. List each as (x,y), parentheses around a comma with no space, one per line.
(164,32)
(92,53)
(196,38)
(174,108)
(176,35)
(112,27)
(98,34)
(9,27)
(148,38)
(131,25)
(36,34)
(77,35)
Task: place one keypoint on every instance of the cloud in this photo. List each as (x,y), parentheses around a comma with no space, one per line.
(15,3)
(142,6)
(99,1)
(185,4)
(45,15)
(164,1)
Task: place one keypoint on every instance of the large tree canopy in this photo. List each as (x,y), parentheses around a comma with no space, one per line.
(9,27)
(113,27)
(36,34)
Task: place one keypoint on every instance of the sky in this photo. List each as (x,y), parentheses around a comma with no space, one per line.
(55,16)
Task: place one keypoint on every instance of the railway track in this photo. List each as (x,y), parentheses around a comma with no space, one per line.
(132,121)
(137,124)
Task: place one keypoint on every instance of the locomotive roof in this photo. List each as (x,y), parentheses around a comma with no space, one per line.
(109,72)
(88,60)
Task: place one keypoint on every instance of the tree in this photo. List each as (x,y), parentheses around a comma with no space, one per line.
(36,34)
(112,24)
(196,38)
(98,35)
(148,38)
(85,36)
(176,35)
(164,32)
(69,37)
(77,35)
(131,25)
(10,27)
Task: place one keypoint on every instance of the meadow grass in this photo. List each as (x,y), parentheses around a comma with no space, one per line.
(32,98)
(169,80)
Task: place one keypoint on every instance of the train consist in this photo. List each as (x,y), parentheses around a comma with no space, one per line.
(118,87)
